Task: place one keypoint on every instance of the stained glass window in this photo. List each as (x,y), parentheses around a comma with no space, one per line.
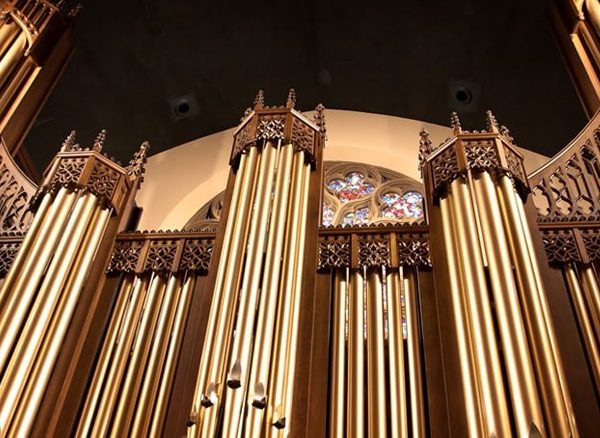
(358,217)
(352,187)
(328,214)
(407,206)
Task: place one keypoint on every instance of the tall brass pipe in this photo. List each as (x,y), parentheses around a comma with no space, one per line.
(219,347)
(210,377)
(284,355)
(24,251)
(337,404)
(108,347)
(487,360)
(587,330)
(356,358)
(592,295)
(397,385)
(239,359)
(160,342)
(466,355)
(560,418)
(168,372)
(8,32)
(20,293)
(7,96)
(376,381)
(121,355)
(138,359)
(265,324)
(413,341)
(522,383)
(37,380)
(31,336)
(11,58)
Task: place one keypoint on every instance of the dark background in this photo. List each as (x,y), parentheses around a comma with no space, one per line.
(408,58)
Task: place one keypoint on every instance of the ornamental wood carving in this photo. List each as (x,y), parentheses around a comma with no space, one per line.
(374,251)
(280,123)
(561,247)
(162,251)
(16,192)
(567,188)
(492,150)
(334,252)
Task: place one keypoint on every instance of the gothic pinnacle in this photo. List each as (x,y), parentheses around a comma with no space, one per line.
(455,123)
(136,166)
(70,142)
(99,141)
(291,99)
(320,120)
(259,100)
(425,148)
(491,122)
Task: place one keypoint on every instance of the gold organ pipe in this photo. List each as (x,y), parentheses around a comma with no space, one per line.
(21,292)
(131,318)
(53,339)
(160,343)
(338,365)
(463,336)
(7,97)
(491,384)
(239,359)
(138,358)
(522,382)
(8,32)
(591,342)
(356,358)
(168,372)
(108,347)
(31,336)
(265,324)
(283,370)
(397,385)
(417,403)
(376,382)
(24,251)
(560,418)
(592,294)
(225,291)
(11,58)
(214,355)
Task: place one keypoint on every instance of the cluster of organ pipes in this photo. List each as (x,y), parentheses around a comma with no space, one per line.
(247,364)
(39,296)
(375,333)
(131,384)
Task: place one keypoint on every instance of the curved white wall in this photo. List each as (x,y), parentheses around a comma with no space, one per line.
(180,180)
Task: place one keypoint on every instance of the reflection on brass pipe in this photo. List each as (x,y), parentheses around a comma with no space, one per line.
(11,58)
(592,295)
(491,384)
(592,347)
(338,359)
(22,291)
(462,328)
(24,251)
(166,380)
(53,339)
(413,341)
(525,402)
(31,336)
(239,361)
(560,417)
(137,361)
(356,384)
(106,355)
(265,324)
(225,292)
(376,383)
(398,416)
(7,97)
(150,381)
(121,355)
(8,31)
(284,358)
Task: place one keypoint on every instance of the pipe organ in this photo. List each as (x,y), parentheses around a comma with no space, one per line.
(35,44)
(480,317)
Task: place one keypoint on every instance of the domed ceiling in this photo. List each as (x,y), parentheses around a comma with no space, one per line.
(173,71)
